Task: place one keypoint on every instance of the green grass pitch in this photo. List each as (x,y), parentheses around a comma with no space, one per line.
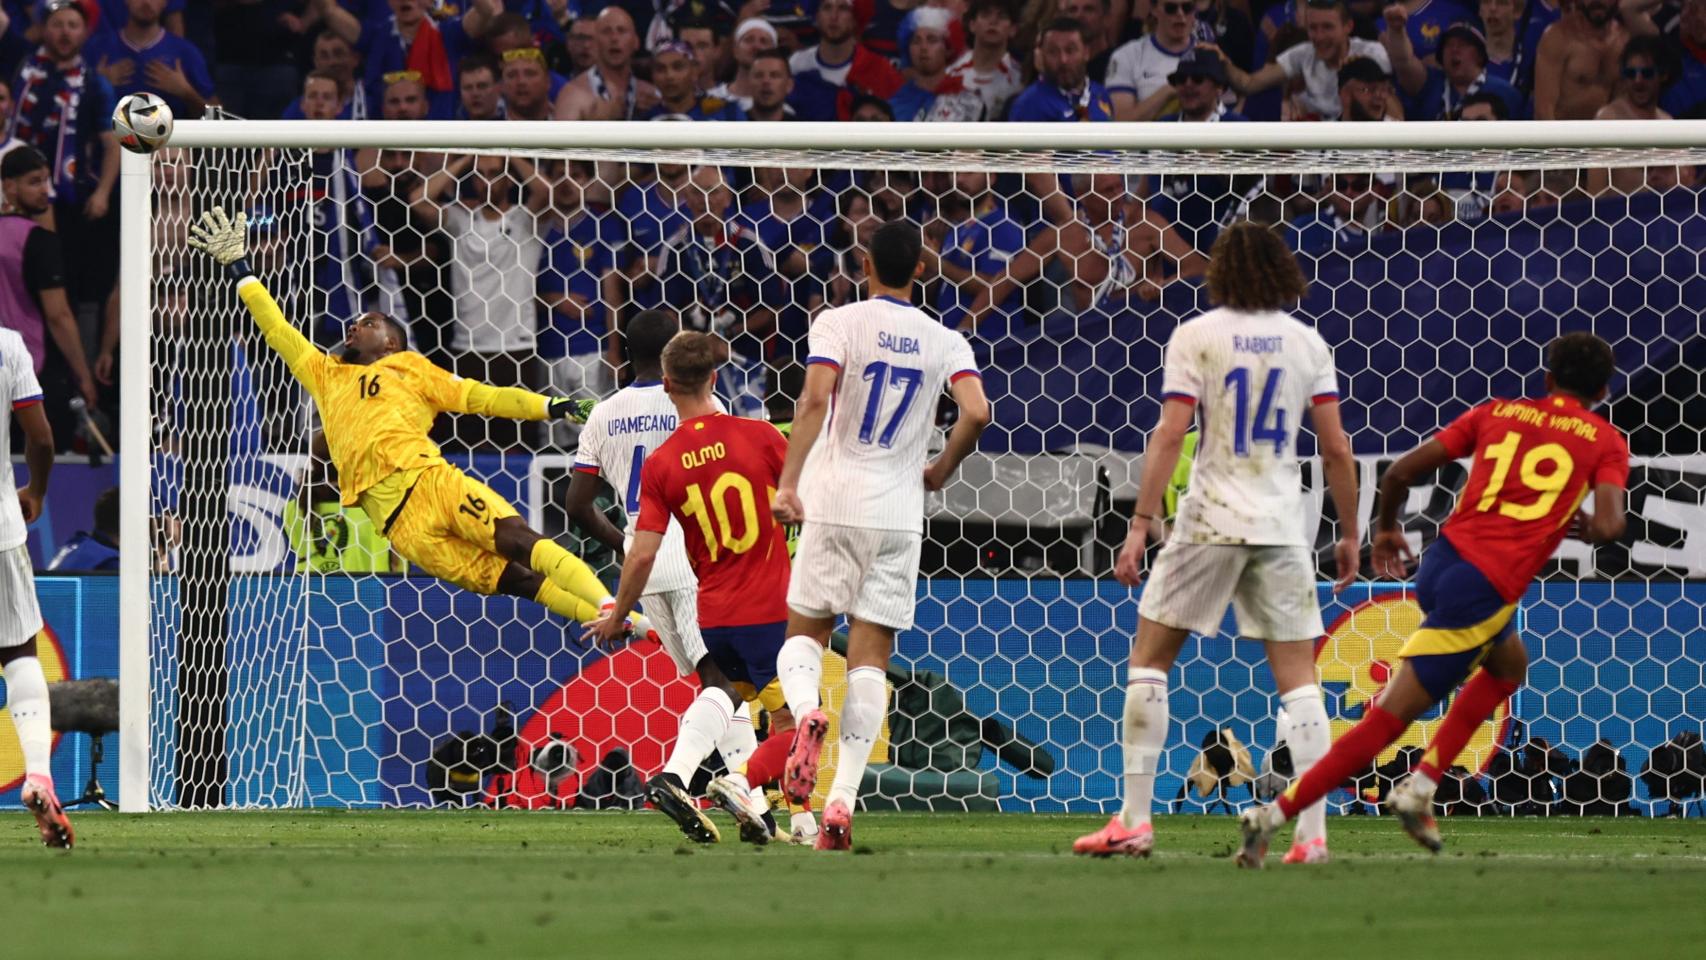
(417,885)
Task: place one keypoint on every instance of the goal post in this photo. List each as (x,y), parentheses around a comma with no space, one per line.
(268,657)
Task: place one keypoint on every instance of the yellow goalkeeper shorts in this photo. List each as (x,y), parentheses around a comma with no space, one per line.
(445,527)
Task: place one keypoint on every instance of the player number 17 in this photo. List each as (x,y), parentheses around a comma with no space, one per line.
(882,376)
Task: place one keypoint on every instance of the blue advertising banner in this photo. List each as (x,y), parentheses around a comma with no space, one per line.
(341,689)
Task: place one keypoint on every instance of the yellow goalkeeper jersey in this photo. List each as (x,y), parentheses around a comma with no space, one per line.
(377,415)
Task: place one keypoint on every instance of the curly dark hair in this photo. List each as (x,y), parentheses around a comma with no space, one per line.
(1251,269)
(1580,363)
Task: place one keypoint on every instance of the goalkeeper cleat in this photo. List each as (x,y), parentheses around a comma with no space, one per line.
(837,830)
(39,797)
(1308,851)
(799,774)
(1257,825)
(737,802)
(1414,807)
(1116,839)
(672,800)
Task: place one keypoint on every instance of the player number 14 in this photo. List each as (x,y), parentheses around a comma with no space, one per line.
(1244,430)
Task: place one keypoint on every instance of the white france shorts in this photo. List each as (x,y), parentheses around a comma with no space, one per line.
(870,575)
(1272,590)
(20,616)
(675,614)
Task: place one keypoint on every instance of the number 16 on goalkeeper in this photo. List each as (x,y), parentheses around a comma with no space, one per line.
(377,401)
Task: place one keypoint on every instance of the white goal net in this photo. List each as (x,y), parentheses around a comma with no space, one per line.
(287,658)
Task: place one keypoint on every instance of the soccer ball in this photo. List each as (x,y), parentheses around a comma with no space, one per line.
(142,122)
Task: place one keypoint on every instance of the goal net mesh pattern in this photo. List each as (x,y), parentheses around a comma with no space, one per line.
(295,661)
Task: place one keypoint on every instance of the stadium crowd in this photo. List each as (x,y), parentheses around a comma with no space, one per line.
(520,271)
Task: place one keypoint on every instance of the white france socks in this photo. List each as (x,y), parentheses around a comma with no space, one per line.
(861,721)
(26,699)
(1310,738)
(799,668)
(737,744)
(1142,736)
(703,725)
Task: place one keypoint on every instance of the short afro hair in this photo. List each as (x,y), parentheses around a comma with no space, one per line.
(1580,364)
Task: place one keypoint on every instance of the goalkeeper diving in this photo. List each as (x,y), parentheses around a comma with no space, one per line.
(377,400)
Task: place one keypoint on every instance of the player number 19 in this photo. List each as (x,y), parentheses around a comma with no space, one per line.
(1546,470)
(714,520)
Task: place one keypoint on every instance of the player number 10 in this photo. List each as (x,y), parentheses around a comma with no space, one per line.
(1551,458)
(714,521)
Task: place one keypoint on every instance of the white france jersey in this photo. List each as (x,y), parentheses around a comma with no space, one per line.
(18,380)
(1252,376)
(867,469)
(621,433)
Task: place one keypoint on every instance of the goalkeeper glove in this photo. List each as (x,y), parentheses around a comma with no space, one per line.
(574,411)
(223,239)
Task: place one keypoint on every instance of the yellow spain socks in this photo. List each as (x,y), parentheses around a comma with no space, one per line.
(568,572)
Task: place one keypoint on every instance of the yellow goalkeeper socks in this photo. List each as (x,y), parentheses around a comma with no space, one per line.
(564,603)
(568,572)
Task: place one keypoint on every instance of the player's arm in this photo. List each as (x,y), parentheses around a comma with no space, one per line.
(38,455)
(1605,526)
(1391,551)
(1339,466)
(612,626)
(810,412)
(1160,456)
(513,403)
(967,391)
(649,527)
(225,240)
(1609,481)
(584,513)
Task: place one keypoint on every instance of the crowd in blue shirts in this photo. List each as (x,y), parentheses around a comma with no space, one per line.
(755,253)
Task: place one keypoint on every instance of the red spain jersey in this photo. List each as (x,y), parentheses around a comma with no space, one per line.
(716,475)
(1534,463)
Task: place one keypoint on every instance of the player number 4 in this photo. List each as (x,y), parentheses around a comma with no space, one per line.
(1243,429)
(633,501)
(1545,470)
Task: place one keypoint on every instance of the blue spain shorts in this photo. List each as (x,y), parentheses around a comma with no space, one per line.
(1464,617)
(747,654)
